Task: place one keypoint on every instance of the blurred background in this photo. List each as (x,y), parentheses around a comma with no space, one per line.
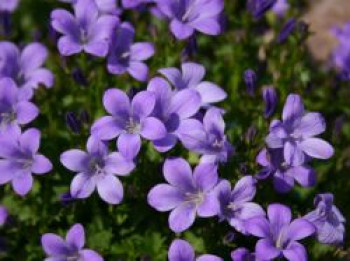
(133,230)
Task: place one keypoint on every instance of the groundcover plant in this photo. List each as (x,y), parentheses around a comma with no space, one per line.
(176,130)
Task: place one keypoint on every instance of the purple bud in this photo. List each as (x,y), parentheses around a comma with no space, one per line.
(287,29)
(4,214)
(85,117)
(229,237)
(79,77)
(66,198)
(190,49)
(72,122)
(250,134)
(338,126)
(259,7)
(250,80)
(270,99)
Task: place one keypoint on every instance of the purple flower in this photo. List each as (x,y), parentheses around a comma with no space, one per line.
(328,220)
(191,76)
(287,29)
(97,169)
(172,108)
(126,56)
(129,120)
(280,7)
(188,16)
(14,110)
(19,159)
(236,206)
(295,134)
(70,248)
(284,174)
(341,53)
(279,234)
(86,31)
(4,214)
(207,139)
(8,5)
(181,250)
(186,195)
(259,7)
(25,67)
(250,80)
(242,254)
(104,6)
(270,99)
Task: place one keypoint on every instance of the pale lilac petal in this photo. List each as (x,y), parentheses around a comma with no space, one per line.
(279,215)
(317,148)
(107,128)
(86,12)
(295,252)
(293,108)
(181,250)
(152,129)
(75,160)
(76,236)
(300,228)
(138,70)
(165,144)
(265,250)
(22,183)
(283,182)
(54,245)
(311,124)
(209,206)
(116,163)
(6,171)
(97,48)
(90,255)
(116,102)
(205,176)
(174,76)
(293,154)
(32,57)
(110,189)
(82,186)
(207,257)
(34,79)
(164,197)
(143,104)
(103,28)
(213,121)
(258,226)
(250,210)
(26,112)
(41,165)
(129,145)
(96,146)
(64,22)
(141,51)
(305,176)
(192,74)
(30,140)
(209,26)
(178,173)
(182,217)
(244,189)
(185,103)
(180,30)
(68,46)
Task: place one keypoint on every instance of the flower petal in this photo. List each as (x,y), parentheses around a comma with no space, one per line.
(75,160)
(210,92)
(283,182)
(295,252)
(209,26)
(82,186)
(317,148)
(138,70)
(41,165)
(90,255)
(143,104)
(54,245)
(107,128)
(141,51)
(76,236)
(279,216)
(185,103)
(116,102)
(265,250)
(180,30)
(300,228)
(305,175)
(293,108)
(64,22)
(30,140)
(152,129)
(178,173)
(244,189)
(110,189)
(164,197)
(116,163)
(293,154)
(258,226)
(311,124)
(26,112)
(69,46)
(180,250)
(182,217)
(205,176)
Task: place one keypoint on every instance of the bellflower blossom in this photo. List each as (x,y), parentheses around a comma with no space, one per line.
(280,7)
(329,222)
(70,248)
(97,169)
(243,254)
(191,76)
(341,53)
(181,250)
(86,31)
(14,110)
(8,5)
(279,234)
(129,120)
(193,15)
(172,108)
(207,139)
(19,158)
(270,100)
(236,206)
(250,80)
(25,67)
(125,56)
(187,195)
(295,133)
(283,174)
